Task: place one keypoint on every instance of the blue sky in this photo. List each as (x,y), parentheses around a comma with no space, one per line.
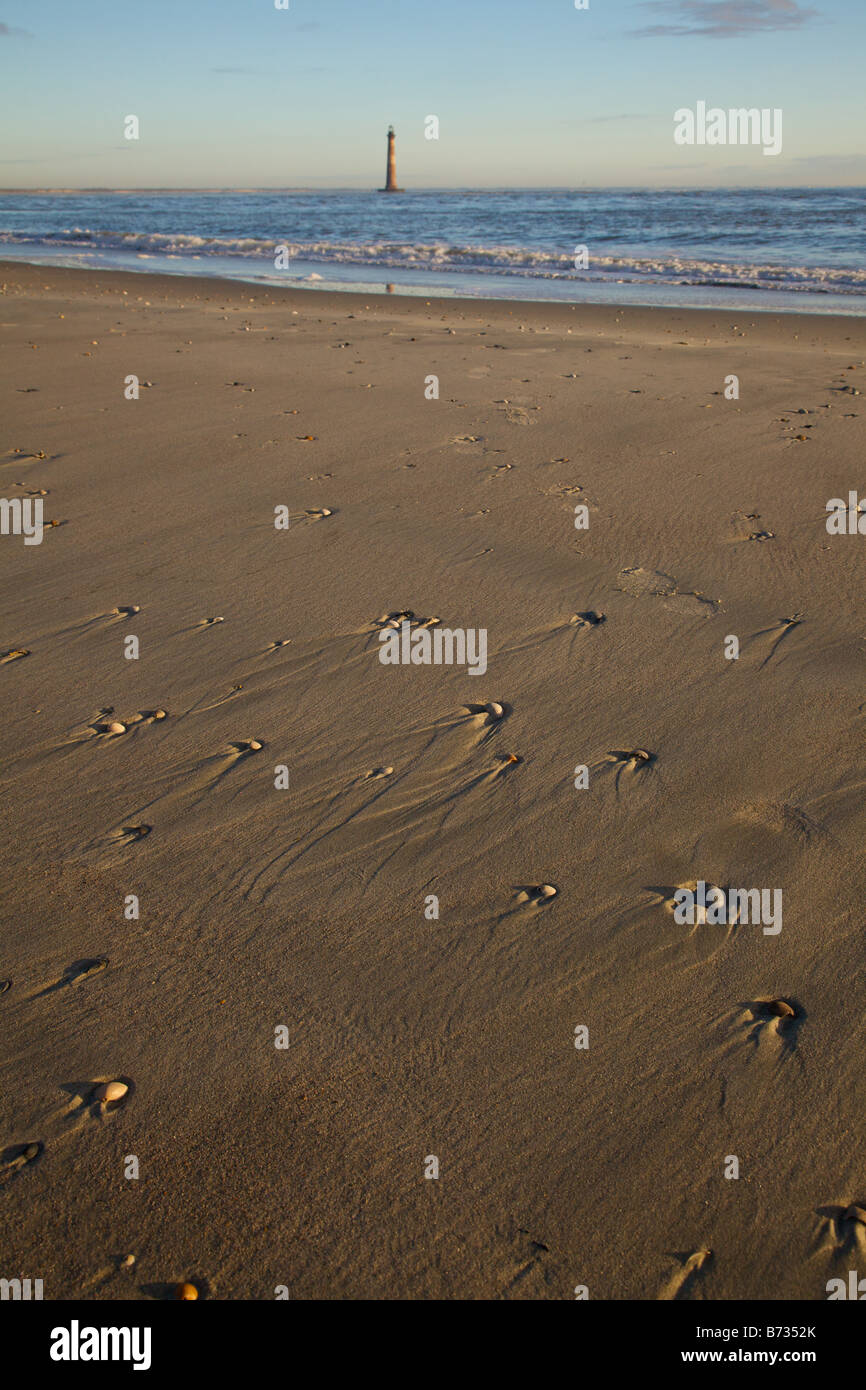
(235,93)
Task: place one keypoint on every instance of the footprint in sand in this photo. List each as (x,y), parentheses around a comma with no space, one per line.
(639,583)
(681,1284)
(518,415)
(17,1157)
(74,974)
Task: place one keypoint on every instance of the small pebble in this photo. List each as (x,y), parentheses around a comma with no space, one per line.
(185,1291)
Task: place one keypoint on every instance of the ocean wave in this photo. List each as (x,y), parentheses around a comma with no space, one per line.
(523,262)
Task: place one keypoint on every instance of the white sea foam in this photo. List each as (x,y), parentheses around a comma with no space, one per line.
(525,262)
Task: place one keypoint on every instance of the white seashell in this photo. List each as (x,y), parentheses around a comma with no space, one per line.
(111,1090)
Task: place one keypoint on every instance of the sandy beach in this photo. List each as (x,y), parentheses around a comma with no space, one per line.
(225,851)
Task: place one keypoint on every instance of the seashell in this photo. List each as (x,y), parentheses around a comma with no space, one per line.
(856,1213)
(160,714)
(780,1008)
(185,1291)
(547,890)
(495,710)
(110,1091)
(115,727)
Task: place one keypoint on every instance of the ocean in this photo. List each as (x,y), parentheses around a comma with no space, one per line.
(777,249)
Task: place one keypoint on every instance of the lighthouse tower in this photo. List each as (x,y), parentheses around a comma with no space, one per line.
(391,174)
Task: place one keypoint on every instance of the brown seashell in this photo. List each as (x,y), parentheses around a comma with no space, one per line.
(780,1008)
(185,1291)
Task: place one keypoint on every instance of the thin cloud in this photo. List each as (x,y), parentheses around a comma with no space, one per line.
(260,72)
(8,31)
(723,19)
(628,116)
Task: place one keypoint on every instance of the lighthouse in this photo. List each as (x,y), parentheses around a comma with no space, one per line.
(391,173)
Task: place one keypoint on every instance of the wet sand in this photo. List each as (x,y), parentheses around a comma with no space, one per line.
(310,907)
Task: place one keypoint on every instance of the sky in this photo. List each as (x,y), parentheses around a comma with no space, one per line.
(528,93)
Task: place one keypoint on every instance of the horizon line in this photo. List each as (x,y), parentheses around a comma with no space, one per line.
(432,188)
